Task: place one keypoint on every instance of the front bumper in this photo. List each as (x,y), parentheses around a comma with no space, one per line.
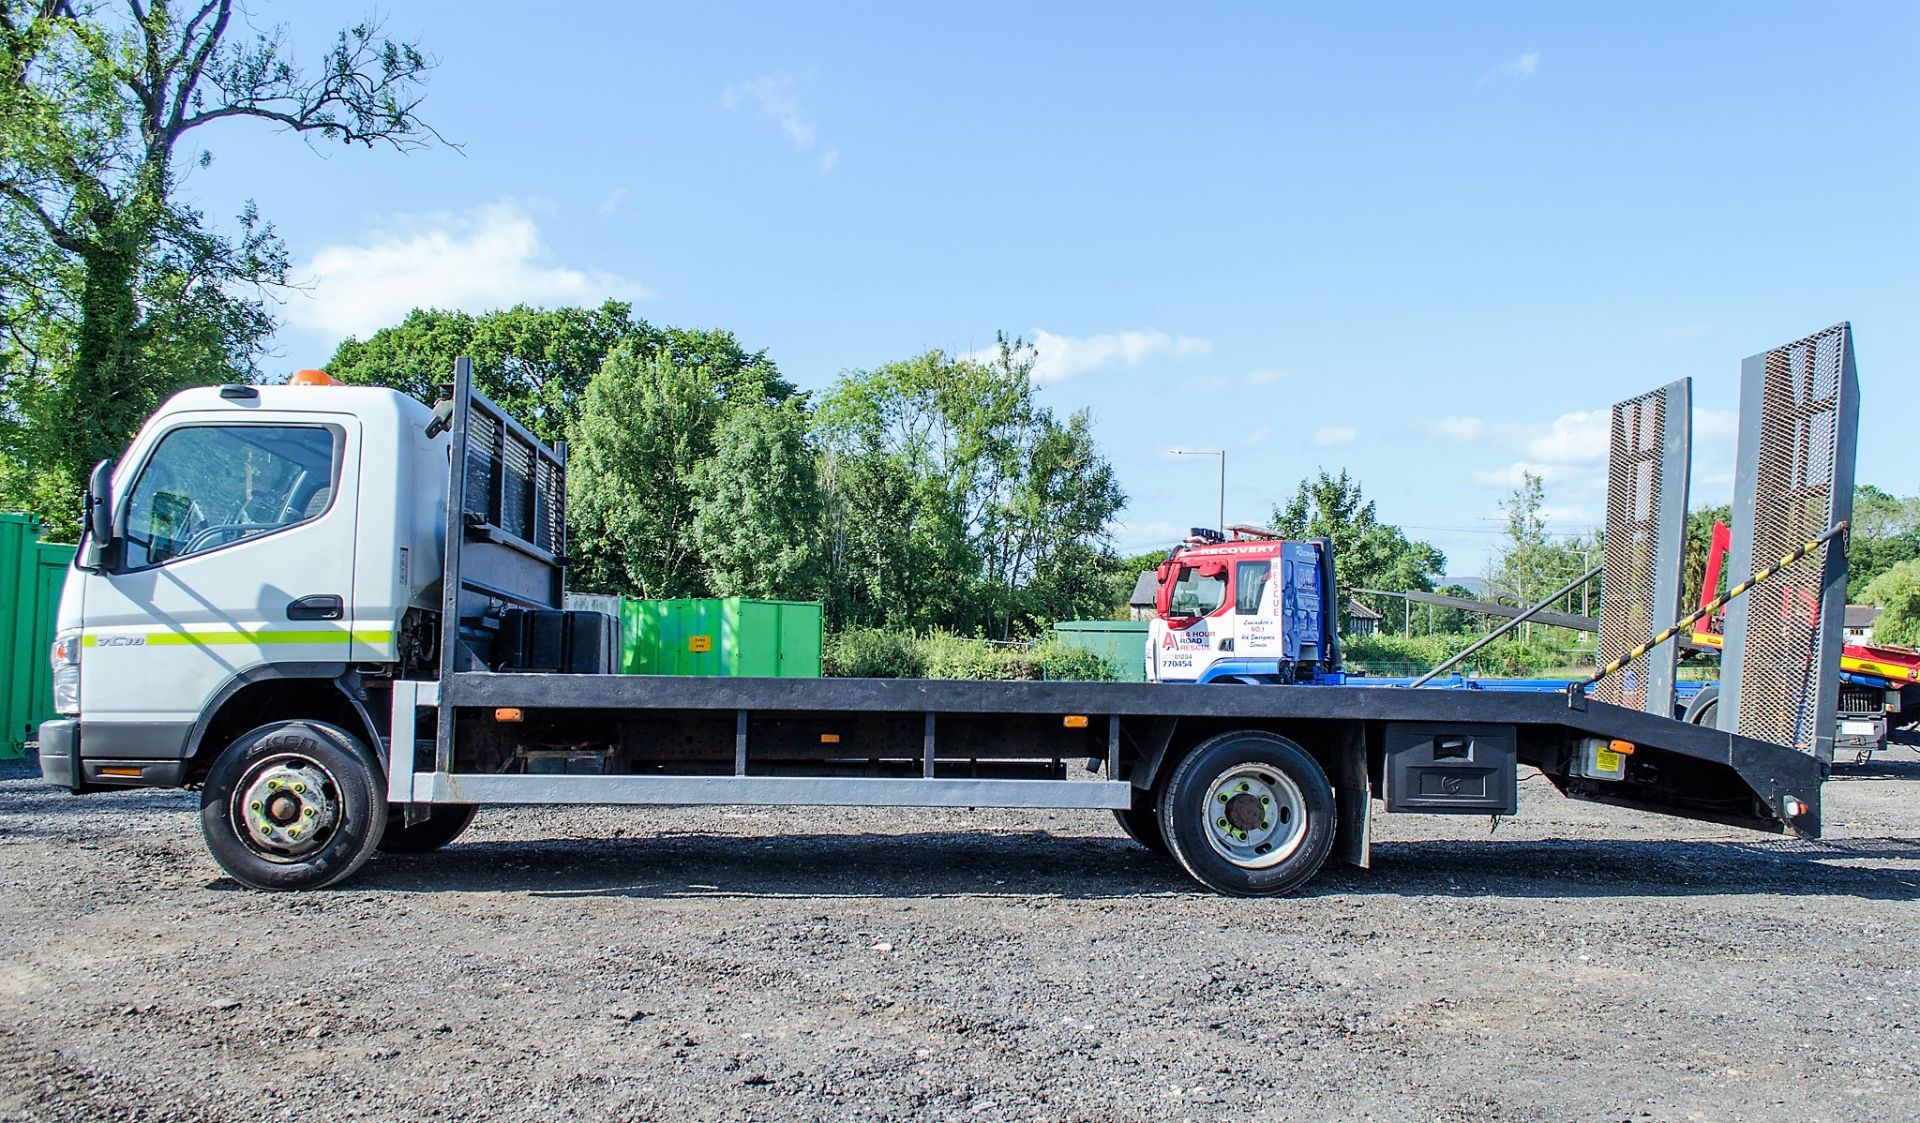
(62,765)
(60,753)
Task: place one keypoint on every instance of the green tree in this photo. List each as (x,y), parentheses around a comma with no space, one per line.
(1124,573)
(1367,553)
(958,501)
(1885,532)
(536,362)
(1897,593)
(1534,561)
(757,524)
(646,423)
(116,293)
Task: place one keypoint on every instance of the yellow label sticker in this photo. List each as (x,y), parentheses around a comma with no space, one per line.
(1606,760)
(700,644)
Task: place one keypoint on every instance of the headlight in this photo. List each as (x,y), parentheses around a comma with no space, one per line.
(66,674)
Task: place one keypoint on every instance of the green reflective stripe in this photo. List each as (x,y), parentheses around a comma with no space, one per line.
(371,636)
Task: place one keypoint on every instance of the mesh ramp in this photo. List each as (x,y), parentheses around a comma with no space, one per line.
(1780,670)
(1648,455)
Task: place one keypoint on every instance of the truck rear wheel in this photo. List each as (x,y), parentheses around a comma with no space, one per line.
(1250,814)
(293,805)
(446,822)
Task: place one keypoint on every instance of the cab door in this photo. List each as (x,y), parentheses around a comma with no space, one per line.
(235,561)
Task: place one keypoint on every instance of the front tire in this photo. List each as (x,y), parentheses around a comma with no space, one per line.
(293,805)
(1249,814)
(446,822)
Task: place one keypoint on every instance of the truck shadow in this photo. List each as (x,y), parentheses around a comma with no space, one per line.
(1038,864)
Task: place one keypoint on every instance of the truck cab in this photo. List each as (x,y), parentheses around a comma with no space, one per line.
(257,549)
(1242,605)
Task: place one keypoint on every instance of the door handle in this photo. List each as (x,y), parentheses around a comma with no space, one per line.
(323,607)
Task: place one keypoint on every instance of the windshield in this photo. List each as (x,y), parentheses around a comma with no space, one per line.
(1197,595)
(212,485)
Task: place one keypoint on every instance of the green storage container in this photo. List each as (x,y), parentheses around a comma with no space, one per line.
(32,573)
(730,636)
(1122,643)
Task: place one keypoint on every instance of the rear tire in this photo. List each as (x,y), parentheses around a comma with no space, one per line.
(1142,822)
(446,822)
(1705,707)
(1249,814)
(293,805)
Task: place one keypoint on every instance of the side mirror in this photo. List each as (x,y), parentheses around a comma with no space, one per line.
(96,517)
(1163,596)
(99,512)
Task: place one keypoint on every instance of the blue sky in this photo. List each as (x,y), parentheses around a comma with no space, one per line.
(1420,242)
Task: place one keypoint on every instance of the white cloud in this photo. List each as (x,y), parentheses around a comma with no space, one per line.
(1257,437)
(776,97)
(1572,438)
(611,201)
(474,261)
(1060,357)
(1332,436)
(1266,377)
(1521,67)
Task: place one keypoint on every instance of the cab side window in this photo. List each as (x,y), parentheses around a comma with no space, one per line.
(1249,582)
(1196,593)
(208,486)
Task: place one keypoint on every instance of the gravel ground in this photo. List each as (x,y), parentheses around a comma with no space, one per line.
(1580,963)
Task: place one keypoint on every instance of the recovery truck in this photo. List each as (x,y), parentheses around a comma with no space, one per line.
(1879,683)
(338,613)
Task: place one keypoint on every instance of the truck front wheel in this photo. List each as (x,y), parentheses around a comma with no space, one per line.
(1249,813)
(293,805)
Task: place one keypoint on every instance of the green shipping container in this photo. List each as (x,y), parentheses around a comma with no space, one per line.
(32,573)
(1122,643)
(721,636)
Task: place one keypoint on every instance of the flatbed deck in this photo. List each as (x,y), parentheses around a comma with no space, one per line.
(1123,731)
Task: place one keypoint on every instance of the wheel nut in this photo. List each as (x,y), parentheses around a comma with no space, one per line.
(1223,823)
(309,813)
(1223,797)
(1243,785)
(1241,835)
(299,789)
(1264,825)
(1264,800)
(294,832)
(256,805)
(273,785)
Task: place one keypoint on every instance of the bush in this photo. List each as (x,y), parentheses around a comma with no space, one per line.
(876,653)
(872,653)
(1415,655)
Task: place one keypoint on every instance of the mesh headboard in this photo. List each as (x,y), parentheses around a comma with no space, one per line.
(1648,453)
(1780,670)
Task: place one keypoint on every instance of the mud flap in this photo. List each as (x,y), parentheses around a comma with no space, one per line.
(1353,803)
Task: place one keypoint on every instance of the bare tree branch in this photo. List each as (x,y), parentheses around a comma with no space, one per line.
(363,95)
(183,92)
(58,233)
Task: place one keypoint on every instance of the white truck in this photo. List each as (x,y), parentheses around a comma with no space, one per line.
(338,614)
